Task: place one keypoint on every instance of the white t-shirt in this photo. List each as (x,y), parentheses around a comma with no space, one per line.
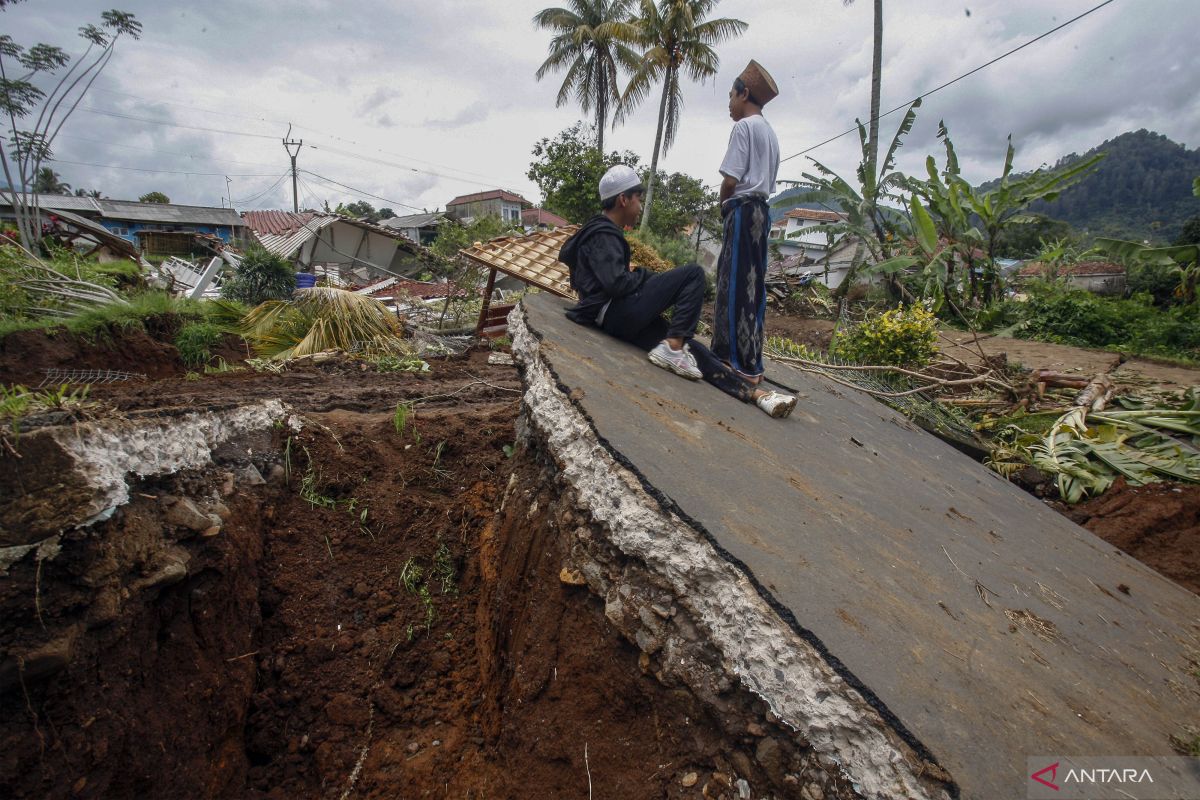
(753,156)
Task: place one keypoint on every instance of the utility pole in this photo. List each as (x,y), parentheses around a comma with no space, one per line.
(288,143)
(228,181)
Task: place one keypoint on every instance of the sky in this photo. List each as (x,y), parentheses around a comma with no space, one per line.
(409,104)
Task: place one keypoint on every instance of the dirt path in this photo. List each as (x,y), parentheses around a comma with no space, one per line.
(1132,373)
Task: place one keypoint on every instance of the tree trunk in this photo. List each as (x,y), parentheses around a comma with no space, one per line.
(662,120)
(876,70)
(601,113)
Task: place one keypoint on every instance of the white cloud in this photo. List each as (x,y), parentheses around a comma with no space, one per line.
(418,102)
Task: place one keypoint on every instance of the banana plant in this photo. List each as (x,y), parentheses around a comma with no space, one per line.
(972,219)
(872,231)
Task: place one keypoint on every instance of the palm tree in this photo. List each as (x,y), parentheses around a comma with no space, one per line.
(590,41)
(876,69)
(677,38)
(47,181)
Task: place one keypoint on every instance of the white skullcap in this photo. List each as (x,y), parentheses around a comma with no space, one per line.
(619,178)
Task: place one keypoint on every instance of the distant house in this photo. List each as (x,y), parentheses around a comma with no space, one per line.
(420,228)
(539,219)
(1101,277)
(496,202)
(344,250)
(130,219)
(826,253)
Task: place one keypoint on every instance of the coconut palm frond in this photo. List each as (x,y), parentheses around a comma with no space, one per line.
(319,319)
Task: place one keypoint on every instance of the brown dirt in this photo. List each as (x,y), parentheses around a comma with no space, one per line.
(1158,524)
(292,648)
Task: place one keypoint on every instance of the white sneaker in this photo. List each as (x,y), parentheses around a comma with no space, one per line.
(681,362)
(776,404)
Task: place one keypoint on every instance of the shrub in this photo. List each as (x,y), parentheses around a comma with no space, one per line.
(1077,317)
(261,276)
(905,337)
(195,342)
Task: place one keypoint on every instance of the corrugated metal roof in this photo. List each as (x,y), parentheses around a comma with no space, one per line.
(169,213)
(532,259)
(414,220)
(98,232)
(64,202)
(289,240)
(276,223)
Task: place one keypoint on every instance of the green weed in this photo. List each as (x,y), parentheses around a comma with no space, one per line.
(410,575)
(443,569)
(308,486)
(395,363)
(195,342)
(400,417)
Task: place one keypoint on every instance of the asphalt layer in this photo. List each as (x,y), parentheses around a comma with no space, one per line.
(985,627)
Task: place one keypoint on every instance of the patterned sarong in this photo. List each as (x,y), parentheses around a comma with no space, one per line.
(741,299)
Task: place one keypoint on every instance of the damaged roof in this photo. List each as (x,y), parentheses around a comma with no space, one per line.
(283,232)
(169,213)
(532,258)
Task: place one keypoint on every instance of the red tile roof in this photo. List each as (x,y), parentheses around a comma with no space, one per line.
(492,194)
(540,216)
(816,216)
(1035,269)
(276,223)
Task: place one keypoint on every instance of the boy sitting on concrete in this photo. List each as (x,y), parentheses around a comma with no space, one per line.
(628,303)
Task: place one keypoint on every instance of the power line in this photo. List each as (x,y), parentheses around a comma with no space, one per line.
(360,191)
(259,195)
(168,171)
(161,152)
(952,82)
(119,115)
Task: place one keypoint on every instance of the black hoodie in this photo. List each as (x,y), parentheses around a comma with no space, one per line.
(598,257)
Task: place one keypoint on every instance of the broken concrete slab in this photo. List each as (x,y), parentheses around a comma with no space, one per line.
(71,476)
(915,602)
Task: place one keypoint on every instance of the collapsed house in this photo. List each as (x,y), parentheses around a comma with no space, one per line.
(341,250)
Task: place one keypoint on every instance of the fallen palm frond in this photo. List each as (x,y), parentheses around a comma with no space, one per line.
(49,292)
(1087,452)
(319,319)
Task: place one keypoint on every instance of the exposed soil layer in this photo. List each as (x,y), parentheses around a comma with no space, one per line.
(370,622)
(338,637)
(1158,524)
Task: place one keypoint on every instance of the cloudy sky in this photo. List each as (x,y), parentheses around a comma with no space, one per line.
(409,104)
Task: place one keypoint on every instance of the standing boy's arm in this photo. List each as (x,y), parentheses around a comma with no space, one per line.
(727,187)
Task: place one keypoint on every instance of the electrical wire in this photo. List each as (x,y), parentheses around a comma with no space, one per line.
(168,171)
(162,152)
(952,82)
(360,191)
(259,195)
(130,117)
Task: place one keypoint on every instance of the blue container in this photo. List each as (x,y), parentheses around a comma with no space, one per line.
(305,280)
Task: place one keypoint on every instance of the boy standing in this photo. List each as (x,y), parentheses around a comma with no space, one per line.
(748,179)
(628,303)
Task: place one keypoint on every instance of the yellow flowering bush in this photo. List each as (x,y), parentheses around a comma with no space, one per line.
(902,337)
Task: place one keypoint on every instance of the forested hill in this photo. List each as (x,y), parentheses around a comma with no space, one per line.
(1141,190)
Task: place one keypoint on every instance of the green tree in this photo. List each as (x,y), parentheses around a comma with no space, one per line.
(677,38)
(567,169)
(154,197)
(21,97)
(1025,240)
(681,201)
(453,236)
(47,181)
(590,42)
(261,276)
(92,193)
(385,213)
